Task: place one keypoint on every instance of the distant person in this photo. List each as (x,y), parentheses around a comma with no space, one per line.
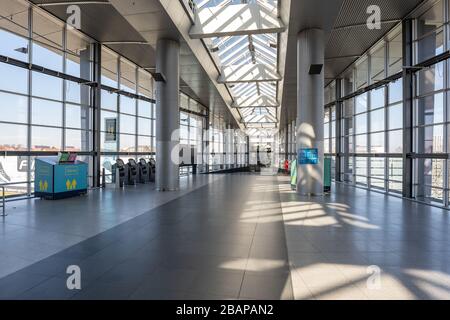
(286,166)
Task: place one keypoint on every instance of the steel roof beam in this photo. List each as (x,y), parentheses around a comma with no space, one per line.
(235,20)
(255,101)
(248,73)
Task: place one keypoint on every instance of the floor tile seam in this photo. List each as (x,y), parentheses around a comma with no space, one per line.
(291,265)
(108,229)
(248,257)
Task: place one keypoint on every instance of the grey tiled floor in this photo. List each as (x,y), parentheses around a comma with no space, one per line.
(36,229)
(238,236)
(201,245)
(337,241)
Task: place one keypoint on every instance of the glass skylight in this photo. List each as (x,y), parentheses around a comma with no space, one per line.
(259,49)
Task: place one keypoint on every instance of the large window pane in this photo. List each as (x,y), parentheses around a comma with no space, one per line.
(377,98)
(395,91)
(127,124)
(144,109)
(429,139)
(361,170)
(361,143)
(47,57)
(109,68)
(107,145)
(109,100)
(13,108)
(348,82)
(184,134)
(430,109)
(430,79)
(13,137)
(430,179)
(361,103)
(377,120)
(46,139)
(78,61)
(47,41)
(127,143)
(13,45)
(13,79)
(127,105)
(395,139)
(362,73)
(127,76)
(14,29)
(46,86)
(395,174)
(377,172)
(46,112)
(145,84)
(77,93)
(395,52)
(361,123)
(77,140)
(144,144)
(377,60)
(377,142)
(144,126)
(395,116)
(430,32)
(78,117)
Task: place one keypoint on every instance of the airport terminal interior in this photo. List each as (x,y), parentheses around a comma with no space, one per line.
(225,149)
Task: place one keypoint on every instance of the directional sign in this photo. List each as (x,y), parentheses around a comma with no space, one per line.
(308,156)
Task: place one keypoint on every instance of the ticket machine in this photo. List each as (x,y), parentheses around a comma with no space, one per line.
(144,171)
(133,171)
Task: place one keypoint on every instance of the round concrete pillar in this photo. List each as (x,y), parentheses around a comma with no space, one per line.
(310,113)
(167,115)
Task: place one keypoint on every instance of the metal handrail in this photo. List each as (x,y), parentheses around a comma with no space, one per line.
(3,202)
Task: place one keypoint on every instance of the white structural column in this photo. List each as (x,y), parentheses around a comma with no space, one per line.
(167,115)
(310,99)
(229,147)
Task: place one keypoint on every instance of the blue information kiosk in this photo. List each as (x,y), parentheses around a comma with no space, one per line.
(60,177)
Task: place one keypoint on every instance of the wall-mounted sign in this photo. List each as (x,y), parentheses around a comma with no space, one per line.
(308,156)
(110,129)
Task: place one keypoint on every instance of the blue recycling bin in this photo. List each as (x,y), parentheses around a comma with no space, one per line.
(53,180)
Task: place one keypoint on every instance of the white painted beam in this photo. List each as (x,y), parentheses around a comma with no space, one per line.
(248,73)
(235,20)
(254,101)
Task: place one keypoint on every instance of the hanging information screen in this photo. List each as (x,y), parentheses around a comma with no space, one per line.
(308,156)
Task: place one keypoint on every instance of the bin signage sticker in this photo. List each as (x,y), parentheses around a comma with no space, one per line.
(308,156)
(43,186)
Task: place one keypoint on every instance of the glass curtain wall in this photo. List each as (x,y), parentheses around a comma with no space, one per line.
(42,114)
(431,108)
(39,113)
(192,118)
(216,142)
(127,123)
(372,121)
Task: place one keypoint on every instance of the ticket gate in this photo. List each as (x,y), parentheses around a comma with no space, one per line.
(119,173)
(152,169)
(144,171)
(133,172)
